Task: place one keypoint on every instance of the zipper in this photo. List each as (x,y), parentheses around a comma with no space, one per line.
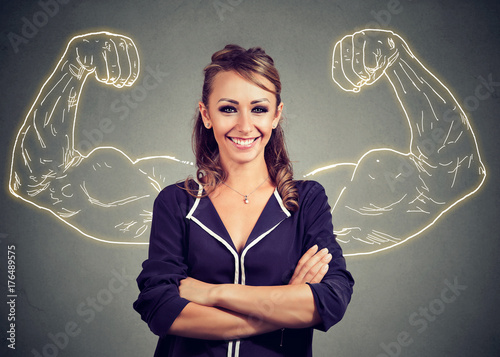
(282,333)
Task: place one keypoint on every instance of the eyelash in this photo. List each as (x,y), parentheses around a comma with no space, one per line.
(227,109)
(230,109)
(261,109)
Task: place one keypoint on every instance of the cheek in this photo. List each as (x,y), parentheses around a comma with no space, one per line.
(268,127)
(267,132)
(219,135)
(220,132)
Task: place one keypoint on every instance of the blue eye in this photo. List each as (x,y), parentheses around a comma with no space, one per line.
(260,110)
(227,109)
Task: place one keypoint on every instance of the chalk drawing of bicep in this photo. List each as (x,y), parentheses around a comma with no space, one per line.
(391,196)
(105,195)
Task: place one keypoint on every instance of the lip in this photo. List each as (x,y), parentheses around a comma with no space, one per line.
(243,143)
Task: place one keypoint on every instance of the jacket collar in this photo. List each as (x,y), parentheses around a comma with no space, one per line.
(204,214)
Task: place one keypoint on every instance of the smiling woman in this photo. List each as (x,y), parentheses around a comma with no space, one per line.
(256,81)
(244,260)
(242,116)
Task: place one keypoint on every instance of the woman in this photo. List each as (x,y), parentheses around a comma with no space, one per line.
(244,262)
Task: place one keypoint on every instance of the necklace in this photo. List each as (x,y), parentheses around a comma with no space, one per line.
(245,197)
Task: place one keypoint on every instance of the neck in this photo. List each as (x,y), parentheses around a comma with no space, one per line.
(246,177)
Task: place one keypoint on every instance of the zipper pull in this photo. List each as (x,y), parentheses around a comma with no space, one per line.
(282,331)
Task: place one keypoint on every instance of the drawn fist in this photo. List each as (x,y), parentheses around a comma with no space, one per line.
(113,58)
(362,58)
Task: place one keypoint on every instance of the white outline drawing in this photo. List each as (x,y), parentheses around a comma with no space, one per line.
(389,190)
(380,202)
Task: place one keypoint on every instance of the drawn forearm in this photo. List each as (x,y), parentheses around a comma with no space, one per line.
(441,133)
(45,143)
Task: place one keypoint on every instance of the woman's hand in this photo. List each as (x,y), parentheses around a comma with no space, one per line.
(197,291)
(277,306)
(312,267)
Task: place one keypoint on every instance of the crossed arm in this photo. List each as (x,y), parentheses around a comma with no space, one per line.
(228,311)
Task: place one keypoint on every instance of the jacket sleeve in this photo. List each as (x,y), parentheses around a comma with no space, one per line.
(333,293)
(159,302)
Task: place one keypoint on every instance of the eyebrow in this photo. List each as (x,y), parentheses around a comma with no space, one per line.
(236,102)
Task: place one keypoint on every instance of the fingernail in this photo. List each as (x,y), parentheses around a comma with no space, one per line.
(324,250)
(327,258)
(325,267)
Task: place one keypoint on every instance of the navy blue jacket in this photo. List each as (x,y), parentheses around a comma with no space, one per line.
(188,238)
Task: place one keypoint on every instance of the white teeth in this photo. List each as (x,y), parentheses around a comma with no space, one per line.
(243,142)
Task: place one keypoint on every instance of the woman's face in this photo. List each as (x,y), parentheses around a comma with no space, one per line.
(242,116)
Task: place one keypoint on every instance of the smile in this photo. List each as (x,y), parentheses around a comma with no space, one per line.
(243,143)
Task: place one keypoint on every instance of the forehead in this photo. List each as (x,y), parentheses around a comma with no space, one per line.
(231,85)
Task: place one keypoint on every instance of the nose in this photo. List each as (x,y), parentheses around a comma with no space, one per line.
(244,124)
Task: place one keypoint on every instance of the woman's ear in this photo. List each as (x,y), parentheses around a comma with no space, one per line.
(204,114)
(277,117)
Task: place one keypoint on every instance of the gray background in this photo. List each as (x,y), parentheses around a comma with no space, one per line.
(58,270)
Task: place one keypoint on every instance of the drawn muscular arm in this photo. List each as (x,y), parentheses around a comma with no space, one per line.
(393,196)
(105,195)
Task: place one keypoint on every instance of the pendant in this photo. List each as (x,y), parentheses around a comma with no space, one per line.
(246,199)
